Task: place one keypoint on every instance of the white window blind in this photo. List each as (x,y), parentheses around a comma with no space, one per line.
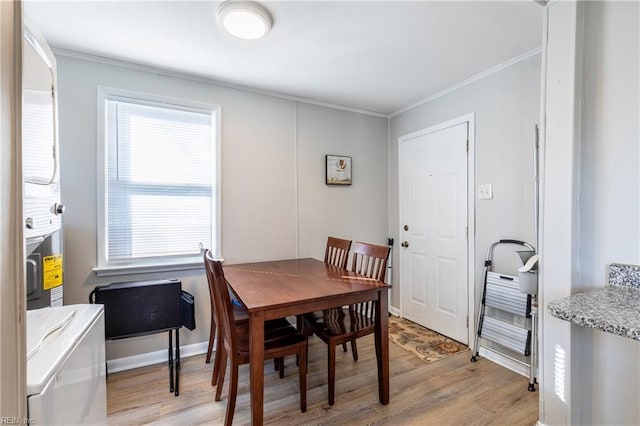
(160,183)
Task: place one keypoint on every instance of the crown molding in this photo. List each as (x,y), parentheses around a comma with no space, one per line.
(469,81)
(206,80)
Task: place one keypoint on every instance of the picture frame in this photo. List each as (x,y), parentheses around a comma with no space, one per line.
(338,170)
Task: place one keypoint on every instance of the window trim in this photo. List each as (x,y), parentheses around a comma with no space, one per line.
(103,268)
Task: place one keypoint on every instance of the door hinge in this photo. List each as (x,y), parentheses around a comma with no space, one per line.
(467,233)
(467,321)
(467,146)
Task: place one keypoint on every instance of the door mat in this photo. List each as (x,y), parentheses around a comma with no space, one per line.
(427,345)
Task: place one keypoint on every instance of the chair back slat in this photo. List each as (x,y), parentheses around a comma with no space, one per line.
(337,252)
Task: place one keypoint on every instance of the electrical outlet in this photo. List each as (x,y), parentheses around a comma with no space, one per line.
(485,192)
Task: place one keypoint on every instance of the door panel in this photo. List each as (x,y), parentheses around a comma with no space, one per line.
(446,298)
(446,188)
(433,206)
(418,276)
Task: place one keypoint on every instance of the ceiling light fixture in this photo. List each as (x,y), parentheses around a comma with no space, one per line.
(244,19)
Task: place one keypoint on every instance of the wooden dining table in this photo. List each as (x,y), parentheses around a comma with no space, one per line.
(283,288)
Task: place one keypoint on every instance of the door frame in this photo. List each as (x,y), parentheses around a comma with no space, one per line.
(471,213)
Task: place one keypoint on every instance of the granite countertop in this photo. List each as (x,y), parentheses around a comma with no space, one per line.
(614,309)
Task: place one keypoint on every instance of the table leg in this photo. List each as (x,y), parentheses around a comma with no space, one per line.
(382,346)
(256,351)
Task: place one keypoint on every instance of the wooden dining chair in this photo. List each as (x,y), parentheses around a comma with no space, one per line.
(281,339)
(336,252)
(240,317)
(342,325)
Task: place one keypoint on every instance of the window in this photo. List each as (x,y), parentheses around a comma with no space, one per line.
(160,183)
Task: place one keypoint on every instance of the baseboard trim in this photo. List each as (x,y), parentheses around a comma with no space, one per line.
(505,361)
(150,358)
(394,311)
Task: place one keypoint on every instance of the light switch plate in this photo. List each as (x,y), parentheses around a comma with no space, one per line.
(485,192)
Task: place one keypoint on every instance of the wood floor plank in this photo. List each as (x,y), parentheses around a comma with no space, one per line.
(452,391)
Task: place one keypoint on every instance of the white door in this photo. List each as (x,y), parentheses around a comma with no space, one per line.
(433,230)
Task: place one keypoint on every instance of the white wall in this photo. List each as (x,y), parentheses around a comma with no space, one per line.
(606,378)
(275,204)
(357,212)
(598,379)
(506,104)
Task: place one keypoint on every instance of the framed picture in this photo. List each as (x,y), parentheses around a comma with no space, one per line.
(338,170)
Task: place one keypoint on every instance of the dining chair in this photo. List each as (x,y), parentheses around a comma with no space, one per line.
(281,339)
(240,316)
(341,325)
(336,252)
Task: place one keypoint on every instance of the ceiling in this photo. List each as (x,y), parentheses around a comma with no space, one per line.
(377,56)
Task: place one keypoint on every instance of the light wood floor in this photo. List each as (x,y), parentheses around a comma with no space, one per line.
(452,391)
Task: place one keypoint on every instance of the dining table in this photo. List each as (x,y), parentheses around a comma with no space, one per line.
(283,288)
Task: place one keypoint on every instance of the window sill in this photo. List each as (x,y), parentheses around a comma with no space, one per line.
(110,271)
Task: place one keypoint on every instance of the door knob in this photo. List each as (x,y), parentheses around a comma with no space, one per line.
(405,244)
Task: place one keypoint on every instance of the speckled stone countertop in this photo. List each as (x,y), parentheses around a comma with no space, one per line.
(614,309)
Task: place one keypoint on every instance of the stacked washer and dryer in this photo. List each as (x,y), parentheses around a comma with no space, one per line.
(66,370)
